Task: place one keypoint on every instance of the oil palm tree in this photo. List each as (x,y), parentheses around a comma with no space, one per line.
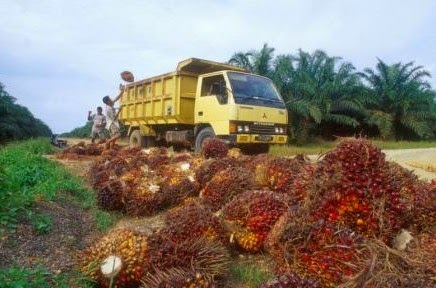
(402,100)
(319,91)
(258,62)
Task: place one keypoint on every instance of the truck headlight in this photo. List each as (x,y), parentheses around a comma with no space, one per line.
(279,130)
(246,128)
(240,128)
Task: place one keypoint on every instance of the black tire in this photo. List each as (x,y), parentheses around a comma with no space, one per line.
(204,134)
(136,140)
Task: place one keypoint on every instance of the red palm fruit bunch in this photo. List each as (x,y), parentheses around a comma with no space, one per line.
(80,149)
(282,172)
(250,216)
(177,188)
(117,165)
(424,210)
(145,198)
(258,165)
(128,246)
(197,262)
(225,184)
(157,157)
(110,195)
(138,159)
(354,186)
(414,198)
(329,254)
(192,219)
(323,252)
(210,167)
(97,173)
(181,157)
(290,176)
(214,148)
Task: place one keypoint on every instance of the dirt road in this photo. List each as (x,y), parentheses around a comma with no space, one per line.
(421,161)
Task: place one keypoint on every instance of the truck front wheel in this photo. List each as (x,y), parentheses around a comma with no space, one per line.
(204,134)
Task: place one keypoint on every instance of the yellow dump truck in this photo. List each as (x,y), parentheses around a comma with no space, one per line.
(204,99)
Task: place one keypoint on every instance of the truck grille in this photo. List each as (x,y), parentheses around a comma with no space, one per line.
(261,129)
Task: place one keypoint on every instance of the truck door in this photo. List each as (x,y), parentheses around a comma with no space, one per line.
(212,104)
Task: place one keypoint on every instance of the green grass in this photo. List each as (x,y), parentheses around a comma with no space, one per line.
(26,177)
(321,146)
(37,277)
(250,274)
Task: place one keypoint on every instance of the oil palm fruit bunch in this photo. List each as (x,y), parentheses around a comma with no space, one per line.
(225,184)
(145,198)
(117,165)
(253,213)
(190,220)
(110,196)
(354,186)
(177,188)
(291,280)
(214,148)
(329,255)
(196,262)
(282,172)
(181,157)
(138,160)
(424,210)
(157,157)
(128,247)
(207,169)
(417,197)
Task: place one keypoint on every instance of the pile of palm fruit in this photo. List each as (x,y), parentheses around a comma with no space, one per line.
(351,219)
(81,151)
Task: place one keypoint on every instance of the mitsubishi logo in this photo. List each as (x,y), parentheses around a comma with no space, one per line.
(264,116)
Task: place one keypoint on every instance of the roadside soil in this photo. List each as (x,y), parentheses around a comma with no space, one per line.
(72,230)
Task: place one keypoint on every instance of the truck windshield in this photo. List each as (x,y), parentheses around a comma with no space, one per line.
(254,90)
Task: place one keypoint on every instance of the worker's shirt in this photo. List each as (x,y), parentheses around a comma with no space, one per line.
(99,121)
(110,115)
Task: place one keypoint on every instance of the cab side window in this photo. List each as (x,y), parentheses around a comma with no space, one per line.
(215,86)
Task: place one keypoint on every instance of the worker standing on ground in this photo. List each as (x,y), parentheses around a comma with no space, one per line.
(112,123)
(99,122)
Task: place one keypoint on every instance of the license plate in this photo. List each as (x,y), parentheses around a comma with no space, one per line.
(264,138)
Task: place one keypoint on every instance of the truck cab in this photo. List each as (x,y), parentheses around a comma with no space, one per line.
(241,108)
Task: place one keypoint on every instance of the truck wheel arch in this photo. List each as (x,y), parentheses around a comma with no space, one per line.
(202,134)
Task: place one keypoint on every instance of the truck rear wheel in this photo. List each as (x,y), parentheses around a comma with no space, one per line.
(204,134)
(137,140)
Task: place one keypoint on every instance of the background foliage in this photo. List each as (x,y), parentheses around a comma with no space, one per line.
(16,121)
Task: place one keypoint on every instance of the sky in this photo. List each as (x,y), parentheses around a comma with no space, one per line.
(60,57)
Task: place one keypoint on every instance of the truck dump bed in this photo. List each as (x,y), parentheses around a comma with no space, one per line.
(167,98)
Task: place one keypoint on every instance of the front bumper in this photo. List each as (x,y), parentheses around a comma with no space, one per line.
(257,138)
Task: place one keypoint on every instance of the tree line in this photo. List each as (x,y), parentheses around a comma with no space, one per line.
(17,122)
(326,96)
